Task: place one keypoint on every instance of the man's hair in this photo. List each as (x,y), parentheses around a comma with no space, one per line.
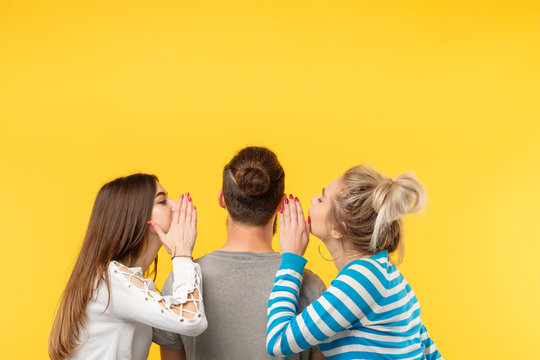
(253,184)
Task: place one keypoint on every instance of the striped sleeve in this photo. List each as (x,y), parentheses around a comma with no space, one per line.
(430,349)
(335,310)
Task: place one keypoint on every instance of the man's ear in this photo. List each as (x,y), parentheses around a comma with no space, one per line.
(221,199)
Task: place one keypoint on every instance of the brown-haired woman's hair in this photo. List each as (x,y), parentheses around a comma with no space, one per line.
(116,231)
(253,184)
(369,208)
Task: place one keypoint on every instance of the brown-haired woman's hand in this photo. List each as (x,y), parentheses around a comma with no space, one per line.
(293,228)
(180,239)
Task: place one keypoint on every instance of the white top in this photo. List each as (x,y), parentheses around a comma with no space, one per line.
(123,330)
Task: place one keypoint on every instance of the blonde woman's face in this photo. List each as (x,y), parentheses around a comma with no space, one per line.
(320,207)
(162,210)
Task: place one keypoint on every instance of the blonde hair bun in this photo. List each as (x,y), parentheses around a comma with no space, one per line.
(392,199)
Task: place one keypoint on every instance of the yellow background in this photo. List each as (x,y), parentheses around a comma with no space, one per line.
(92,90)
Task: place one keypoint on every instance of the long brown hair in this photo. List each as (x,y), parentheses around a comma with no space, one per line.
(116,231)
(253,184)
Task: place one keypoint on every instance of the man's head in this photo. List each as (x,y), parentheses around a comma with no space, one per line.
(253,185)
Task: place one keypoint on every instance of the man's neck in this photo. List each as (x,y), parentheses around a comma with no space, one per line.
(243,238)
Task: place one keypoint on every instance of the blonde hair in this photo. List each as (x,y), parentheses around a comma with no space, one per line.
(369,208)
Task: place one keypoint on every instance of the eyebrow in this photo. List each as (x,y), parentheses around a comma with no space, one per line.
(161,193)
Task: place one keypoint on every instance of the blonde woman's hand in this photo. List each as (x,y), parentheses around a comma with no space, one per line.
(293,228)
(180,239)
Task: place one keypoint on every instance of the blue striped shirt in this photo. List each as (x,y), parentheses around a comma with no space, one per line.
(368,312)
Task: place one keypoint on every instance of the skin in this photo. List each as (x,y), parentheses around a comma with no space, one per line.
(294,230)
(162,216)
(173,225)
(240,238)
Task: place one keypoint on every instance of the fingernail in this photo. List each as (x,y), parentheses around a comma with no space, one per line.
(194,207)
(189,197)
(286,201)
(149,222)
(309,220)
(291,197)
(281,211)
(296,199)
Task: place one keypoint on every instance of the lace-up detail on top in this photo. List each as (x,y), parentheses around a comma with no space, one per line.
(186,307)
(121,317)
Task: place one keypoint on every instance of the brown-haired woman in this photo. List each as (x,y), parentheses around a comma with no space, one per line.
(369,311)
(108,308)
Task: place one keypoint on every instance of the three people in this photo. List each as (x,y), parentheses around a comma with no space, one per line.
(108,309)
(369,311)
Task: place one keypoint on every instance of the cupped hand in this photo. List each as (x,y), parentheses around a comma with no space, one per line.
(180,239)
(293,228)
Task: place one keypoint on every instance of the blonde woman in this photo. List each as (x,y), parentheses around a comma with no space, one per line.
(369,311)
(108,308)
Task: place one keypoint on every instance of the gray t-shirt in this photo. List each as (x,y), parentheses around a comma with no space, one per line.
(236,288)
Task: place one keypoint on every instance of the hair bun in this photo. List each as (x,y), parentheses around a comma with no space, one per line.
(392,199)
(381,193)
(396,198)
(252,181)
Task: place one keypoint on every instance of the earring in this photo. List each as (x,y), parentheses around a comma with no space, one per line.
(320,253)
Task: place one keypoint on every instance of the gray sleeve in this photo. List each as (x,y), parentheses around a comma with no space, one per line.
(167,339)
(164,338)
(312,288)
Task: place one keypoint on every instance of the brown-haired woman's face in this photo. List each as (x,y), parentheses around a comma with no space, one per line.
(320,207)
(162,210)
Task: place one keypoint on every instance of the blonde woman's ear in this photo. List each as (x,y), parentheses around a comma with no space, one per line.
(335,234)
(221,199)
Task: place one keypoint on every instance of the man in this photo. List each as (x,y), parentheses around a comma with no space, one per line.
(238,278)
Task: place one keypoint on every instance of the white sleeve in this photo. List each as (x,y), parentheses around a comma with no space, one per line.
(133,298)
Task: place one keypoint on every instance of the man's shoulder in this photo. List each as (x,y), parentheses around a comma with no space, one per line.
(209,259)
(312,279)
(202,258)
(312,285)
